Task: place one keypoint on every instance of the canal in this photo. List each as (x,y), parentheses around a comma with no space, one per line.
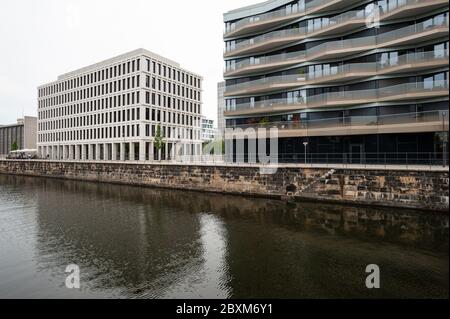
(132,242)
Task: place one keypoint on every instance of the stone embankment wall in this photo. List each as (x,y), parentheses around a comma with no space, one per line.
(393,188)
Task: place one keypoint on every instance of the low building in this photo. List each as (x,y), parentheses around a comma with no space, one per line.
(22,133)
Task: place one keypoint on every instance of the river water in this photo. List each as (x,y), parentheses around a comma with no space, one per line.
(132,242)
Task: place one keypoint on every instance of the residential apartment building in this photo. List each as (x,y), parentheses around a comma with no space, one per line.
(221,108)
(208,131)
(343,80)
(113,110)
(22,133)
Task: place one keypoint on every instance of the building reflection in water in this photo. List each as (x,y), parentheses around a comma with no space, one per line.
(149,243)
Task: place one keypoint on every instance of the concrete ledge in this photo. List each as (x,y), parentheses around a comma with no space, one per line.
(407,188)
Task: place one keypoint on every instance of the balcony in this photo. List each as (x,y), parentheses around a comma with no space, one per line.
(401,92)
(336,25)
(265,64)
(414,62)
(267,41)
(347,72)
(394,10)
(272,19)
(401,9)
(337,49)
(430,121)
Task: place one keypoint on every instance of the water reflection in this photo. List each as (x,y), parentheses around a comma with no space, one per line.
(135,242)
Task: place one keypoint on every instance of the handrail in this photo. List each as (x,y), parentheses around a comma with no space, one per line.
(349,121)
(357,95)
(342,70)
(339,44)
(304,10)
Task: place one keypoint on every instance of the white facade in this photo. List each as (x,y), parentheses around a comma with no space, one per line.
(221,108)
(208,131)
(23,133)
(112,110)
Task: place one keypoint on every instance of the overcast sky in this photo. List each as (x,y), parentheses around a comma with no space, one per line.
(41,39)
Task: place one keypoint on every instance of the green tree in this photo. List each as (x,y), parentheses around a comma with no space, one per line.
(14,146)
(264,121)
(159,141)
(209,148)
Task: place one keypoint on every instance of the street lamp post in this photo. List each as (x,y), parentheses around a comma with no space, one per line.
(444,139)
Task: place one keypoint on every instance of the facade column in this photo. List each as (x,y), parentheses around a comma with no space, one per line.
(166,151)
(70,152)
(97,152)
(131,151)
(64,153)
(150,151)
(172,152)
(122,151)
(90,151)
(83,152)
(142,150)
(105,152)
(114,151)
(77,152)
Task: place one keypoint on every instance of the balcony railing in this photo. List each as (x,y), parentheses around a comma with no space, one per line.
(303,9)
(285,13)
(278,35)
(267,82)
(261,18)
(350,97)
(325,24)
(363,42)
(333,72)
(357,121)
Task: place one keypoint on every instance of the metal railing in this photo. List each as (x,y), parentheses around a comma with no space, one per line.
(370,121)
(361,159)
(300,79)
(303,9)
(391,160)
(351,97)
(356,43)
(279,35)
(309,30)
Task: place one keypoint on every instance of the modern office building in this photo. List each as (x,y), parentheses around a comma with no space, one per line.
(113,110)
(352,80)
(221,108)
(208,131)
(23,134)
